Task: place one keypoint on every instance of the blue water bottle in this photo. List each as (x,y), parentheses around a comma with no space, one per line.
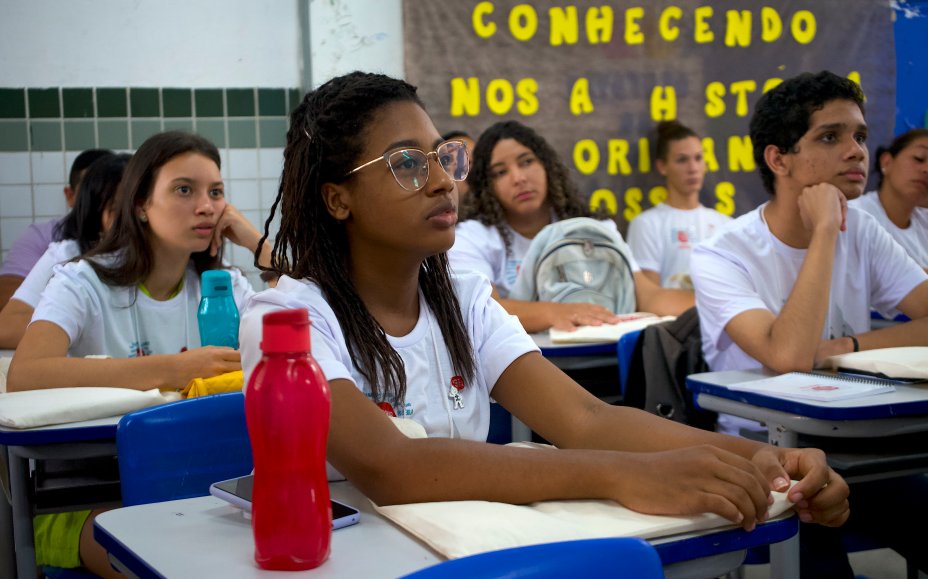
(217,315)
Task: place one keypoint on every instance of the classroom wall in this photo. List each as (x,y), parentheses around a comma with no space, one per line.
(109,73)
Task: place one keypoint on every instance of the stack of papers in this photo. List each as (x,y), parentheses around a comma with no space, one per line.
(607,332)
(821,387)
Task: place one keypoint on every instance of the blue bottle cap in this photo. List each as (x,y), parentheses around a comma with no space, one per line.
(216,283)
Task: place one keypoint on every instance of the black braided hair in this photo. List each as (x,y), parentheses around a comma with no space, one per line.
(324,142)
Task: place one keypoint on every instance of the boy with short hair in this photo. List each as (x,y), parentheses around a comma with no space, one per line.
(793,282)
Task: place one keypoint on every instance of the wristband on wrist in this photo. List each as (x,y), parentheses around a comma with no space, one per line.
(855,342)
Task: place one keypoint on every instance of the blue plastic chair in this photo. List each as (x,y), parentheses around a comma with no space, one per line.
(626,349)
(176,450)
(590,558)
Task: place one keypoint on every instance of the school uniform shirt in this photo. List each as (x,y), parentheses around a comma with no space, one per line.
(913,238)
(123,322)
(58,252)
(478,247)
(745,267)
(663,237)
(27,250)
(496,337)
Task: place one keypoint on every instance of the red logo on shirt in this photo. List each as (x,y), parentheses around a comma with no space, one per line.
(387,409)
(458,383)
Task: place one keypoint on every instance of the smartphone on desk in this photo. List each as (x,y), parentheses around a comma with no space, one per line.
(238,492)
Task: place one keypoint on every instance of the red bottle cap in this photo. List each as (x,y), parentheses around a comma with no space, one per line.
(286,331)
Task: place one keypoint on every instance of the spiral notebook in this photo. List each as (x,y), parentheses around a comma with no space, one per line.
(820,387)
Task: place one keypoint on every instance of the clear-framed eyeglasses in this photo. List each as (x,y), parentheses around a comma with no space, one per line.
(410,167)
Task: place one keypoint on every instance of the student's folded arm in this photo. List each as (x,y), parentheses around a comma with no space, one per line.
(651,297)
(41,361)
(14,318)
(561,411)
(652,275)
(392,469)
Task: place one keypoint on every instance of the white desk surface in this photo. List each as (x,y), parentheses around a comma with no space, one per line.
(223,540)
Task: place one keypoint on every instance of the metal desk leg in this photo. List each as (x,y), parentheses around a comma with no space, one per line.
(784,558)
(22,516)
(7,562)
(520,432)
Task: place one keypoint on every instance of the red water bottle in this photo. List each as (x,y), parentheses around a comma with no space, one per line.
(287,407)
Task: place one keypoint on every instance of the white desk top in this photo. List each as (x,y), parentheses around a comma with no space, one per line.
(223,540)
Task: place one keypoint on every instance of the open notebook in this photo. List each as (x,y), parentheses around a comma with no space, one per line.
(820,387)
(607,332)
(461,528)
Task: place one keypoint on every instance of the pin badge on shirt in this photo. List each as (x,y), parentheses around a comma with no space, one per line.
(457,386)
(387,409)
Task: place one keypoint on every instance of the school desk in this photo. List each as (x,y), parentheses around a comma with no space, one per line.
(207,537)
(76,440)
(570,357)
(903,412)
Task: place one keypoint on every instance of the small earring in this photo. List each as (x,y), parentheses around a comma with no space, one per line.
(143,218)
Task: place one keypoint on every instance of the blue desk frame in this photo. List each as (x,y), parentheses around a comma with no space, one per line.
(91,438)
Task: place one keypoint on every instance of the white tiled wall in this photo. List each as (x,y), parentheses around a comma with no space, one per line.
(32,185)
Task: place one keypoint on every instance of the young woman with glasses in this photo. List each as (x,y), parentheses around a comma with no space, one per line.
(368,203)
(518,186)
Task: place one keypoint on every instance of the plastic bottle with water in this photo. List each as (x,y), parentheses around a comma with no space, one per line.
(217,316)
(287,406)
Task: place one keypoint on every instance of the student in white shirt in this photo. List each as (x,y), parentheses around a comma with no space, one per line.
(134,298)
(791,283)
(368,207)
(519,185)
(663,237)
(78,232)
(900,203)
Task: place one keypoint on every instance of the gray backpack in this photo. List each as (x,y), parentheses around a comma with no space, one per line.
(578,260)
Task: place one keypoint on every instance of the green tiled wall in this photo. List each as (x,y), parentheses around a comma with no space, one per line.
(56,119)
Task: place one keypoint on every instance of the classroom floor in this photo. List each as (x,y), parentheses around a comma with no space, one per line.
(874,564)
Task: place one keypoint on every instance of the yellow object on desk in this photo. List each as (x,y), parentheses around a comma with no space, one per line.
(228,382)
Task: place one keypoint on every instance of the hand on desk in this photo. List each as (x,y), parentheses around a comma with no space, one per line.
(820,495)
(569,316)
(694,480)
(204,362)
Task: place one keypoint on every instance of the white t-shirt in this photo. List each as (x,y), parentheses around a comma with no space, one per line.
(57,253)
(745,267)
(663,237)
(123,322)
(914,238)
(496,337)
(478,247)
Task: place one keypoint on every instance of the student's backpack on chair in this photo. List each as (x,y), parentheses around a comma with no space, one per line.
(578,260)
(665,355)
